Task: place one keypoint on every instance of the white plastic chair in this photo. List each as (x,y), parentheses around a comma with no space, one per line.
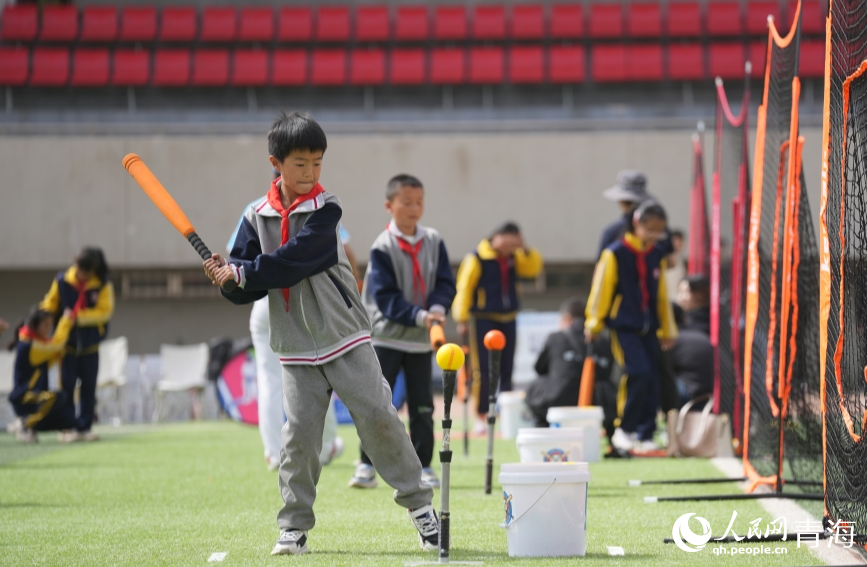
(184,368)
(113,355)
(7,372)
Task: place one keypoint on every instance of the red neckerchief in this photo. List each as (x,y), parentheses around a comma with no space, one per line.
(418,288)
(503,261)
(274,199)
(28,334)
(82,296)
(641,264)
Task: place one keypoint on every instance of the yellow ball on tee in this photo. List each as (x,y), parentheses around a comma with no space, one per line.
(450,357)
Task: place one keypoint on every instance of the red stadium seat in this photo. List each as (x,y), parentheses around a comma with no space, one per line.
(412,23)
(606,20)
(566,64)
(567,21)
(219,24)
(644,63)
(684,19)
(289,67)
(486,65)
(371,23)
(367,67)
(19,22)
(177,24)
(526,64)
(210,67)
(249,68)
(450,22)
(294,24)
(726,60)
(489,22)
(332,23)
(757,16)
(813,13)
(757,52)
(59,23)
(98,24)
(608,63)
(50,67)
(527,21)
(812,59)
(171,67)
(138,23)
(407,67)
(14,66)
(328,67)
(724,18)
(257,24)
(447,66)
(686,62)
(89,68)
(644,19)
(131,68)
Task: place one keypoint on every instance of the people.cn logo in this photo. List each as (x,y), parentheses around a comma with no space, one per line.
(685,538)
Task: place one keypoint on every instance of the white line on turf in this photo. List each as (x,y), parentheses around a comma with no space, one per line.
(615,550)
(217,557)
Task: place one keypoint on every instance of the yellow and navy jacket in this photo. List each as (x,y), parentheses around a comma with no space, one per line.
(94,301)
(487,284)
(629,291)
(32,358)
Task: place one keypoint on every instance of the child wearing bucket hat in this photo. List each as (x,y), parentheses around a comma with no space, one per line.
(629,297)
(628,192)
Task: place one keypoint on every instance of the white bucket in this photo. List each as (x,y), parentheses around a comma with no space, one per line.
(513,413)
(545,508)
(590,419)
(546,445)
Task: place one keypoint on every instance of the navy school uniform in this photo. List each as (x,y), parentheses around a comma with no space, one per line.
(487,299)
(94,302)
(629,297)
(39,408)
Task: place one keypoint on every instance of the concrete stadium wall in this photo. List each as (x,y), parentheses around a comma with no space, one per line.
(61,193)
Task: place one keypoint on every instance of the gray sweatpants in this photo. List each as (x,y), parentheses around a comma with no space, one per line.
(357,379)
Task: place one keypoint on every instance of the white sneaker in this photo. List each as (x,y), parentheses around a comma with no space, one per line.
(428,526)
(364,477)
(336,451)
(623,441)
(68,436)
(429,477)
(88,436)
(481,427)
(15,426)
(291,542)
(273,464)
(24,435)
(646,446)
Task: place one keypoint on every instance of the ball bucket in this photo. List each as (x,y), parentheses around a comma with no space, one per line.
(513,414)
(550,445)
(590,419)
(545,508)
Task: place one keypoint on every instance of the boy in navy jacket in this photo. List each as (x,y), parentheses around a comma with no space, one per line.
(408,287)
(288,248)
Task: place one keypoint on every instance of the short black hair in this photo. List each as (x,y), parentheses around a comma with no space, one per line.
(574,307)
(698,284)
(32,321)
(398,181)
(296,131)
(679,315)
(646,210)
(507,227)
(676,233)
(92,259)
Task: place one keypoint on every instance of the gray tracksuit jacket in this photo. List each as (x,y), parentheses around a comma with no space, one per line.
(398,298)
(316,313)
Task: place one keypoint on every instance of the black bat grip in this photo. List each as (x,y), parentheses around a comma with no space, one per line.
(494,357)
(489,473)
(449,381)
(444,536)
(205,253)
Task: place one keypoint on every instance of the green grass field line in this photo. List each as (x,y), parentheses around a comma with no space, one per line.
(174,494)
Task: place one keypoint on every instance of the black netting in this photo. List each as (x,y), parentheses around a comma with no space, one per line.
(845,386)
(699,231)
(795,336)
(731,174)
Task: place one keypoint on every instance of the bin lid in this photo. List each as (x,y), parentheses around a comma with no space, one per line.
(574,412)
(535,434)
(543,473)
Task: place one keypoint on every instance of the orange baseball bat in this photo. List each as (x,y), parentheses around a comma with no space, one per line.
(588,379)
(167,206)
(437,336)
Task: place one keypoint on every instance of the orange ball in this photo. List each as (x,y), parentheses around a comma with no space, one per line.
(495,340)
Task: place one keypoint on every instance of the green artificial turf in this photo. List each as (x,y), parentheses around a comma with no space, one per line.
(175,494)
